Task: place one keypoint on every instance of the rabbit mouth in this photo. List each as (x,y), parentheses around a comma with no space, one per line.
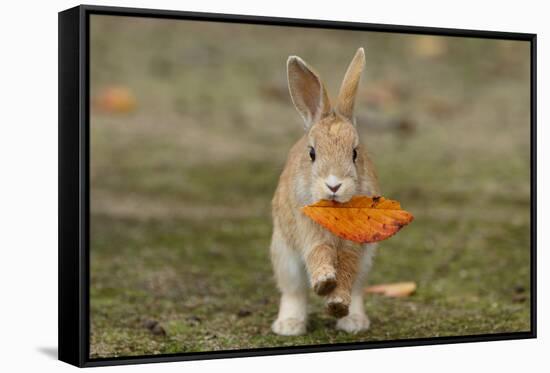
(338,198)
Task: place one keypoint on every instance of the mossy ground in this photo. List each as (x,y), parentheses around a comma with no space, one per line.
(181,188)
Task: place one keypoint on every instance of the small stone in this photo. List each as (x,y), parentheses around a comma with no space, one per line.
(150,324)
(519,289)
(194,320)
(158,330)
(519,298)
(244,313)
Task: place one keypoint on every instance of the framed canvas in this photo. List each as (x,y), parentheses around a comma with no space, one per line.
(225,182)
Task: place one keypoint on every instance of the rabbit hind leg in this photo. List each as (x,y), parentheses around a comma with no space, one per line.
(292,281)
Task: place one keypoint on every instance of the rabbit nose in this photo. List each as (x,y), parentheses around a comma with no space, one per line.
(334,188)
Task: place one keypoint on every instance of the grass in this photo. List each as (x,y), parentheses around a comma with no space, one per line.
(181,187)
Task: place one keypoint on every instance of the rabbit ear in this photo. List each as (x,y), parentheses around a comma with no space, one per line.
(348,90)
(307,91)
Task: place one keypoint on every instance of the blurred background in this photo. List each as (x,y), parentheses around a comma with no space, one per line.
(191,123)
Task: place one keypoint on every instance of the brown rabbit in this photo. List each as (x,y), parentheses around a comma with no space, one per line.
(328,162)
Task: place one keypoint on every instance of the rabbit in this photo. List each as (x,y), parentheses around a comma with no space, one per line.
(328,162)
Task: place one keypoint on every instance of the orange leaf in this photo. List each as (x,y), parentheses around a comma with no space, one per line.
(362,219)
(399,289)
(115,99)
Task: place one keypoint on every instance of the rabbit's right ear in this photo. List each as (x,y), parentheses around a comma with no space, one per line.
(307,91)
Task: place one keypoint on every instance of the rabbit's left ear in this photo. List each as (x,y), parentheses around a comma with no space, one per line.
(348,90)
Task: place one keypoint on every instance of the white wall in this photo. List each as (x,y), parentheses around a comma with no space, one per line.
(28,169)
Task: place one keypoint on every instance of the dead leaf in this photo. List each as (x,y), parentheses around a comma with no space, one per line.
(396,290)
(362,219)
(429,47)
(115,99)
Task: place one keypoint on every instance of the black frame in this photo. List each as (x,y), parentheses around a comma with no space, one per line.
(74,198)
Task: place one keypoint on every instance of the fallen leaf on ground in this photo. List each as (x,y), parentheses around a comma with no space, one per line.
(398,289)
(115,99)
(362,219)
(429,46)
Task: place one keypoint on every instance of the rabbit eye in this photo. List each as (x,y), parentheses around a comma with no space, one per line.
(312,153)
(354,155)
